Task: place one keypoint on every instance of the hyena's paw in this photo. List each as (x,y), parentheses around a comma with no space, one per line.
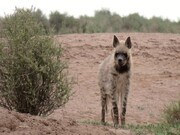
(123,121)
(115,119)
(116,126)
(116,122)
(103,121)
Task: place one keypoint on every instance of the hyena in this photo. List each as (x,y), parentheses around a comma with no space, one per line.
(114,79)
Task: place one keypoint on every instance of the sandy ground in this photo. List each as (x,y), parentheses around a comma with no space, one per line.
(155,83)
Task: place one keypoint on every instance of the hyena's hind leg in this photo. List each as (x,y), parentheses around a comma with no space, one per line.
(103,105)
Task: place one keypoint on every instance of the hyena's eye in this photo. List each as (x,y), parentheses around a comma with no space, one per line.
(125,54)
(116,54)
(121,53)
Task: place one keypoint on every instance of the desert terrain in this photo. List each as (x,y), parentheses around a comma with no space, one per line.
(155,83)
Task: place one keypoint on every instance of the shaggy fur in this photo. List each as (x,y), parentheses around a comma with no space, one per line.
(114,79)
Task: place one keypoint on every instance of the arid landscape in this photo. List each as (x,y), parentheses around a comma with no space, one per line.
(155,83)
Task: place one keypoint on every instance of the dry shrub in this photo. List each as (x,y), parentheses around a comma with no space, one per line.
(33,77)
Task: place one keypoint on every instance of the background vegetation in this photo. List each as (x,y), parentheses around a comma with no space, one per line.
(104,21)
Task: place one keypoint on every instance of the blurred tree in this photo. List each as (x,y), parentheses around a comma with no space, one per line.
(134,22)
(56,21)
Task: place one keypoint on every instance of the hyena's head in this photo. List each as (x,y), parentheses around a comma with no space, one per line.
(122,54)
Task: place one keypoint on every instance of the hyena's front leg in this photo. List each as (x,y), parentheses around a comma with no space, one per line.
(103,104)
(115,114)
(124,96)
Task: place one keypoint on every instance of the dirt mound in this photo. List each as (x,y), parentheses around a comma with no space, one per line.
(155,83)
(13,123)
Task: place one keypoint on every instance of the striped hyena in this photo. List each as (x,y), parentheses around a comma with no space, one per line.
(114,79)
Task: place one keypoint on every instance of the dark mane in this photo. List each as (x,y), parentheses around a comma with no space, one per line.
(122,69)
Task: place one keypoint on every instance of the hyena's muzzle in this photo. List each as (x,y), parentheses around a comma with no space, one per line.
(121,59)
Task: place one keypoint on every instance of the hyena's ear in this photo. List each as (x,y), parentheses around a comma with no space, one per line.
(128,43)
(115,41)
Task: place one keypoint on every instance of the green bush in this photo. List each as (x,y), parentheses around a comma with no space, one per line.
(33,76)
(172,113)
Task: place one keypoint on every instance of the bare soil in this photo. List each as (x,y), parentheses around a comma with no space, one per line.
(155,83)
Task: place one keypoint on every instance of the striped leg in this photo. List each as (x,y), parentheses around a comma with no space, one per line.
(103,104)
(124,96)
(115,114)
